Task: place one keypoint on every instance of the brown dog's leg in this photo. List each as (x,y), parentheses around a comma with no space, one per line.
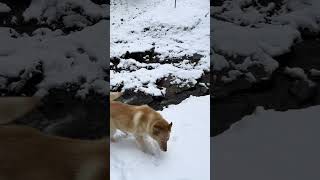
(112,132)
(141,142)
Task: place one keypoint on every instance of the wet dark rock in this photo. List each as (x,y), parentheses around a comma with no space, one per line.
(232,87)
(136,98)
(63,114)
(100,2)
(302,90)
(149,56)
(175,93)
(258,72)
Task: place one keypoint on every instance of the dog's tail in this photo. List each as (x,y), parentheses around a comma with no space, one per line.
(12,108)
(115,95)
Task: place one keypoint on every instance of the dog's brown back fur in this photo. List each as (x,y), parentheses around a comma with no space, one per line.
(26,153)
(12,108)
(115,95)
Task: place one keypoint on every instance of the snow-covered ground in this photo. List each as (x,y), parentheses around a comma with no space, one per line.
(188,152)
(138,26)
(74,57)
(171,35)
(4,8)
(269,145)
(256,33)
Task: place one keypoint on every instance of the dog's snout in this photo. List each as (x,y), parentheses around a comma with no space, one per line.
(164,147)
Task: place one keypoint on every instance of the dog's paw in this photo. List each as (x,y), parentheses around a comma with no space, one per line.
(113,140)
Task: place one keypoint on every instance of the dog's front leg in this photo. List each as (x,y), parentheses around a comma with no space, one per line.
(112,133)
(141,143)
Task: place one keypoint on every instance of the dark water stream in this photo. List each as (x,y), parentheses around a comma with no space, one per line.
(280,92)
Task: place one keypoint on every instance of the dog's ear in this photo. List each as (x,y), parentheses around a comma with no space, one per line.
(170,125)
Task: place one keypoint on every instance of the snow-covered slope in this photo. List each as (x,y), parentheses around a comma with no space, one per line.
(269,145)
(250,33)
(188,149)
(138,26)
(142,25)
(66,56)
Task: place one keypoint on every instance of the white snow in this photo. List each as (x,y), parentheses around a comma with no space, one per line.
(269,145)
(259,43)
(296,72)
(174,32)
(219,62)
(50,10)
(78,57)
(188,152)
(4,8)
(137,26)
(145,79)
(245,28)
(300,14)
(314,72)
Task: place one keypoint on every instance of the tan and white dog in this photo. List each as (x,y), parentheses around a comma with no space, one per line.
(26,153)
(12,108)
(115,95)
(139,121)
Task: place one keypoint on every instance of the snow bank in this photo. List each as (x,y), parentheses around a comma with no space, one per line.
(76,13)
(260,44)
(143,77)
(296,72)
(188,149)
(64,56)
(261,31)
(314,72)
(78,57)
(269,145)
(4,8)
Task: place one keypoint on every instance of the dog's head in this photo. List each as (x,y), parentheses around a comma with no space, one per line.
(161,133)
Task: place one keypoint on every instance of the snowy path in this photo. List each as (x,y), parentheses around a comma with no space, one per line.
(188,149)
